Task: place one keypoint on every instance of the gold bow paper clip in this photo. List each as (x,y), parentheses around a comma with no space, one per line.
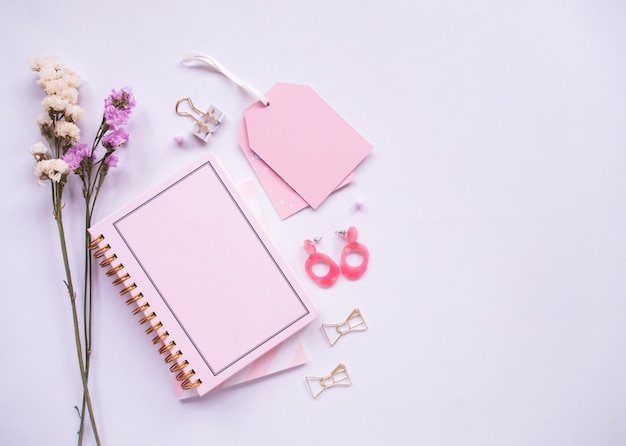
(206,123)
(354,322)
(338,377)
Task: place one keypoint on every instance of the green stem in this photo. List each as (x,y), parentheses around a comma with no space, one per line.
(94,187)
(87,300)
(70,287)
(91,190)
(86,309)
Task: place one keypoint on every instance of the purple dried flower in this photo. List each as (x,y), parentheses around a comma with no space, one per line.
(115,138)
(118,107)
(75,155)
(115,117)
(111,160)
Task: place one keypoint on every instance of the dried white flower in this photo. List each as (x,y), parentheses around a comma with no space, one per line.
(55,86)
(44,120)
(70,94)
(48,74)
(39,151)
(71,78)
(73,113)
(68,130)
(37,63)
(54,103)
(52,169)
(54,78)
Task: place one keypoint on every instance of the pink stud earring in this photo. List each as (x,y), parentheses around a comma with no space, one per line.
(353,272)
(315,257)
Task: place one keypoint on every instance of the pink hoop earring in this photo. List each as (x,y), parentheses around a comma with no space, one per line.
(353,272)
(315,257)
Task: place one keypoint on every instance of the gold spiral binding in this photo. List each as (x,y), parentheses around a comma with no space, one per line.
(179,366)
(96,241)
(172,358)
(184,376)
(141,308)
(160,338)
(133,299)
(100,252)
(188,385)
(128,289)
(121,279)
(115,269)
(108,260)
(167,347)
(154,327)
(146,318)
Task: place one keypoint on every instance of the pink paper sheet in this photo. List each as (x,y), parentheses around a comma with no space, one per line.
(303,140)
(284,199)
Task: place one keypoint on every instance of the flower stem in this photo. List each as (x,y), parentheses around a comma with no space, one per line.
(87,294)
(58,209)
(91,189)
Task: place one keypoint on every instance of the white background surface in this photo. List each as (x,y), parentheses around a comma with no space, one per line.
(494,213)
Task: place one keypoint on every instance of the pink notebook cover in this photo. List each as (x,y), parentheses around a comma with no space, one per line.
(287,355)
(205,272)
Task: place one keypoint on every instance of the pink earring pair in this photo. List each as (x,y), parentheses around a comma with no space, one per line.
(349,271)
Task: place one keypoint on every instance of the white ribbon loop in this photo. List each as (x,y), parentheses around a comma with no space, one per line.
(196,57)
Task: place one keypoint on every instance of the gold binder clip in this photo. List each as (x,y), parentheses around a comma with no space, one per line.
(206,123)
(338,377)
(354,322)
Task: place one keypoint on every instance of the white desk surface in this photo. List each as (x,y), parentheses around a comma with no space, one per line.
(494,211)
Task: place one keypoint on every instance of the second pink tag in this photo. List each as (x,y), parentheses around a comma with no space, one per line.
(305,141)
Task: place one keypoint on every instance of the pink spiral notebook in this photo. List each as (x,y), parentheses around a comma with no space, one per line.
(202,275)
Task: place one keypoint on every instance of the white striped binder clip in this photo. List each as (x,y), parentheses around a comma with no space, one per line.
(206,123)
(338,377)
(354,322)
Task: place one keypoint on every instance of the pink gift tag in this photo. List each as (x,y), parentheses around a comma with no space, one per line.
(285,200)
(304,141)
